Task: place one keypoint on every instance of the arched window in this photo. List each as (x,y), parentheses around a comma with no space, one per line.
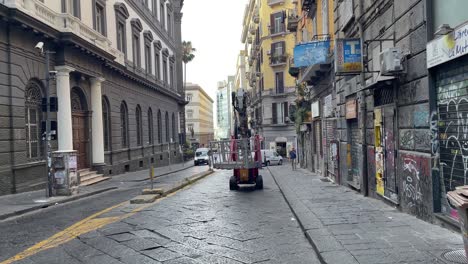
(168,139)
(150,127)
(124,124)
(174,135)
(33,118)
(159,127)
(106,122)
(139,126)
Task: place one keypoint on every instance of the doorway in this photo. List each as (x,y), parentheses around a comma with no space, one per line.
(80,127)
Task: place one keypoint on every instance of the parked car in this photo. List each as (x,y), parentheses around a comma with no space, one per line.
(201,156)
(271,157)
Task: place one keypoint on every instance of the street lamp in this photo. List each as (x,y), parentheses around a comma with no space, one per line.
(40,47)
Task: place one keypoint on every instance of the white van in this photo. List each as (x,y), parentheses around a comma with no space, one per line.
(270,157)
(201,156)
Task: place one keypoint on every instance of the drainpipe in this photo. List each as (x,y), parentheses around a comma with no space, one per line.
(362,106)
(11,123)
(435,173)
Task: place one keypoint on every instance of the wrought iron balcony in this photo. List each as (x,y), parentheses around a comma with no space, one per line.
(252,29)
(278,60)
(275,2)
(293,20)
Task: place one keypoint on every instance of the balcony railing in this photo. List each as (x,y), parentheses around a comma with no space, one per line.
(66,23)
(275,2)
(293,20)
(252,29)
(276,60)
(278,30)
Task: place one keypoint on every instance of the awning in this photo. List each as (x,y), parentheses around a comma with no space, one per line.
(381,80)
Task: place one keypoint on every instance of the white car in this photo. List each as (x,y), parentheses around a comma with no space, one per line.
(270,157)
(201,156)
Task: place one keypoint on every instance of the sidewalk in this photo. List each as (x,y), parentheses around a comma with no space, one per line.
(345,227)
(21,203)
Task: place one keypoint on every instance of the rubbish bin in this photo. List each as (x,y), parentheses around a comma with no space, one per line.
(459,198)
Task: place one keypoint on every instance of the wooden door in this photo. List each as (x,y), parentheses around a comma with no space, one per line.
(80,139)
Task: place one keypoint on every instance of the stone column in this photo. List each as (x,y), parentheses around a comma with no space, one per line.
(97,133)
(64,114)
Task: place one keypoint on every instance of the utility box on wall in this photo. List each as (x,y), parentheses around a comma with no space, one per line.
(65,170)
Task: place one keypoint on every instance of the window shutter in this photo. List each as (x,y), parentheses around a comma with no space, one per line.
(285,111)
(283,47)
(274,113)
(272,23)
(280,82)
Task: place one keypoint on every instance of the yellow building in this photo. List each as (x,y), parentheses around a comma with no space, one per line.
(313,21)
(199,115)
(269,47)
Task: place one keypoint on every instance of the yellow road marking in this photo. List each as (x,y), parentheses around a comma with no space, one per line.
(84,226)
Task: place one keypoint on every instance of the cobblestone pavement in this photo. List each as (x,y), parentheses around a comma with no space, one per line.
(204,223)
(346,227)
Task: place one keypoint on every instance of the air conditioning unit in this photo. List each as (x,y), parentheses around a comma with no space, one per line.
(390,62)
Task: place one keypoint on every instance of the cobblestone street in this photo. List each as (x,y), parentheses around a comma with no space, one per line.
(204,223)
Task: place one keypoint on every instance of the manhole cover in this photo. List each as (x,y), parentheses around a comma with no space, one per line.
(457,256)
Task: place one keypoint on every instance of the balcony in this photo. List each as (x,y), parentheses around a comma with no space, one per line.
(249,39)
(281,29)
(278,60)
(293,20)
(293,70)
(275,2)
(252,29)
(256,15)
(66,23)
(310,6)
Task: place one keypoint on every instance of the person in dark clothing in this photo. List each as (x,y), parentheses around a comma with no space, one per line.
(292,157)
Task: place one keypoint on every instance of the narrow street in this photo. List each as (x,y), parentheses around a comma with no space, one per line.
(18,234)
(204,223)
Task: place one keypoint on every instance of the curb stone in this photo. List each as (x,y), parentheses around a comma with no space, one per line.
(301,224)
(148,198)
(52,203)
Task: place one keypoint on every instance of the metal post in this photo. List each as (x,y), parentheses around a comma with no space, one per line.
(47,133)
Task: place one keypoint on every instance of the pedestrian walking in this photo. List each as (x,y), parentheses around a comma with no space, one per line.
(292,157)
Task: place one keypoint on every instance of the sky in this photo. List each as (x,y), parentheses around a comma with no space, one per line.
(214,27)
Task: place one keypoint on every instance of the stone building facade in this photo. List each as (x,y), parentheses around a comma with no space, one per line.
(116,73)
(396,137)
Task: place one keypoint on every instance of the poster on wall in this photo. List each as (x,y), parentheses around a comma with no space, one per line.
(315,109)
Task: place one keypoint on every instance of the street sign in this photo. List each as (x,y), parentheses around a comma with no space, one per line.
(348,56)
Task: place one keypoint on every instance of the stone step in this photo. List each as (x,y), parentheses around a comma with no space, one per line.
(90,180)
(89,177)
(81,171)
(87,173)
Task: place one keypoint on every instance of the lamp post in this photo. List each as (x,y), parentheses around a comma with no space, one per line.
(47,135)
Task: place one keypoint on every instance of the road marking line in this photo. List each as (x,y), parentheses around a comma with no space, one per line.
(90,223)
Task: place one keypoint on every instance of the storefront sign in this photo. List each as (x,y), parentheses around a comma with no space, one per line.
(448,47)
(348,56)
(351,109)
(315,109)
(311,53)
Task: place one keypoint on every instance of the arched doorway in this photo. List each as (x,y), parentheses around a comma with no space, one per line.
(80,127)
